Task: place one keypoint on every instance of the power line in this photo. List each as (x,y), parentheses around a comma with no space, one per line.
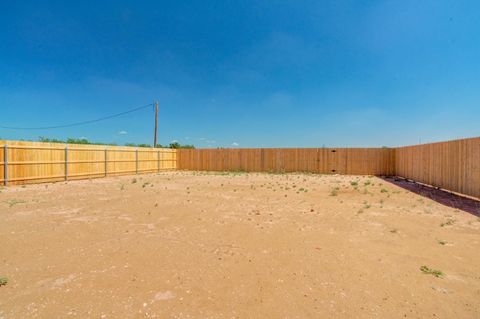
(78,123)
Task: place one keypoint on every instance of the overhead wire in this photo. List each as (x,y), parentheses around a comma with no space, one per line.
(78,123)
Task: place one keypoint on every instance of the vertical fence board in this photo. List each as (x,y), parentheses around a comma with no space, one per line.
(3,165)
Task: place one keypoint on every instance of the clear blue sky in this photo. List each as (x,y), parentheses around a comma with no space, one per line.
(252,73)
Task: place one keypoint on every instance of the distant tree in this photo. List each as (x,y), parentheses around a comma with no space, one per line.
(138,145)
(131,144)
(71,141)
(84,141)
(49,140)
(177,145)
(78,141)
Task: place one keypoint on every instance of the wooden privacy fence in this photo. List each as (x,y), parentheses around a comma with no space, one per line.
(31,162)
(452,165)
(356,161)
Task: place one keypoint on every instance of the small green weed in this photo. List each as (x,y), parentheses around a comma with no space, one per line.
(449,222)
(430,271)
(13,202)
(334,191)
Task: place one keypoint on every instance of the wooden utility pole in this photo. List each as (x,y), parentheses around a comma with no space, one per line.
(156,125)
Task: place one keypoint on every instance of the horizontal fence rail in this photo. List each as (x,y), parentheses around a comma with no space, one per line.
(31,162)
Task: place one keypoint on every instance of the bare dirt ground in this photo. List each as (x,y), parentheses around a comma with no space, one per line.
(198,245)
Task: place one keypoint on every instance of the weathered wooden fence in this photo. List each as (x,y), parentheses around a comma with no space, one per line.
(452,165)
(358,161)
(31,162)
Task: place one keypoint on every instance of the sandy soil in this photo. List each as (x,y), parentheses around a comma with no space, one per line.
(197,245)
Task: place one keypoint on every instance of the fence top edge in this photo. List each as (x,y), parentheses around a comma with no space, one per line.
(61,146)
(287,148)
(466,139)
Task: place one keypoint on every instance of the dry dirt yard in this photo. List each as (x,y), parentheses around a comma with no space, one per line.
(226,245)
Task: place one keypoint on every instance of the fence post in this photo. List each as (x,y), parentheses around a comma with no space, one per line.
(66,162)
(5,164)
(136,161)
(106,162)
(158,162)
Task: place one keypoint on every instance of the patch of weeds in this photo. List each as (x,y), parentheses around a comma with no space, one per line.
(384,190)
(334,191)
(122,187)
(449,222)
(13,202)
(394,231)
(368,182)
(134,181)
(430,271)
(3,281)
(366,205)
(360,211)
(441,242)
(354,183)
